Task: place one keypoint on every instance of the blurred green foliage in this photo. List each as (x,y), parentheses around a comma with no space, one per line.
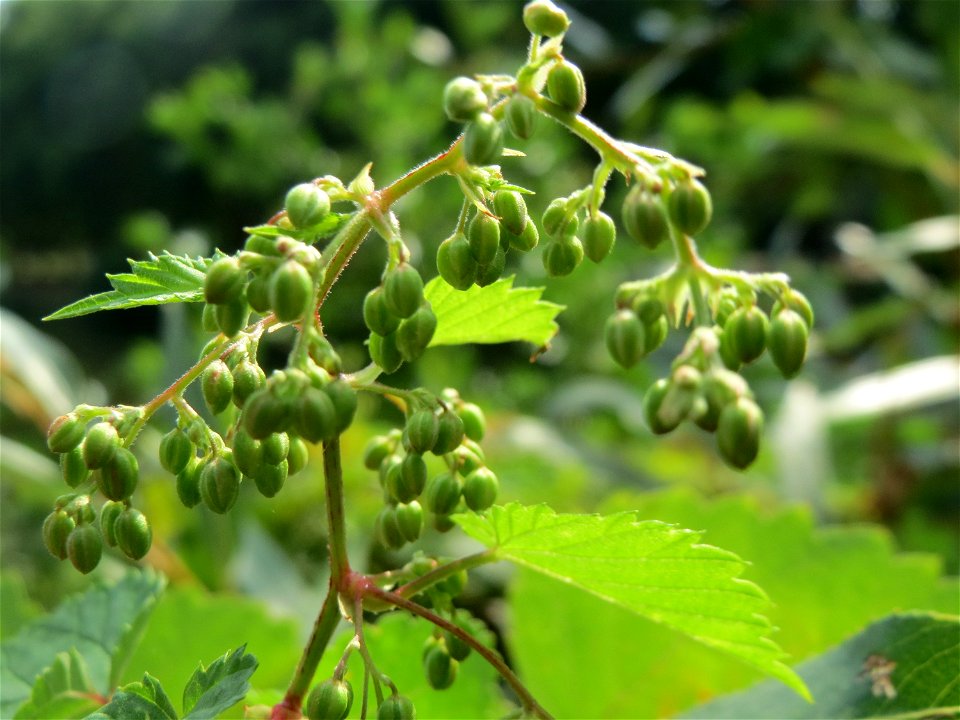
(829,132)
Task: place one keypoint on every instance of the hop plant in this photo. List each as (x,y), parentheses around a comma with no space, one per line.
(258,428)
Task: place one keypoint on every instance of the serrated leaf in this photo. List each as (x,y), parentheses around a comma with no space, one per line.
(159,280)
(904,666)
(497,313)
(63,690)
(212,690)
(654,569)
(97,623)
(328,227)
(143,700)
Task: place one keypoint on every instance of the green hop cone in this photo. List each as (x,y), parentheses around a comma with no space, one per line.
(108,521)
(463,99)
(474,423)
(542,17)
(483,234)
(217,385)
(652,404)
(690,207)
(527,240)
(133,532)
(624,336)
(450,432)
(188,483)
(72,467)
(561,257)
(330,700)
(483,140)
(511,208)
(248,377)
(442,494)
(85,547)
(421,431)
(100,445)
(416,332)
(403,290)
(387,529)
(65,433)
(56,529)
(376,316)
(270,478)
(440,668)
(224,281)
(456,263)
(220,484)
(118,478)
(410,520)
(291,291)
(316,416)
(644,218)
(344,399)
(298,456)
(384,352)
(521,116)
(306,205)
(787,342)
(746,331)
(599,234)
(232,316)
(176,450)
(396,707)
(480,489)
(566,86)
(738,432)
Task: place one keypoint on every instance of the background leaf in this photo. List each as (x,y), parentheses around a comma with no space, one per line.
(497,313)
(95,622)
(902,666)
(63,690)
(162,279)
(825,584)
(144,700)
(651,568)
(214,689)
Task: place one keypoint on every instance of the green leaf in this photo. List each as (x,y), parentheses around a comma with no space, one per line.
(497,313)
(212,690)
(162,279)
(651,568)
(143,700)
(904,666)
(101,623)
(63,690)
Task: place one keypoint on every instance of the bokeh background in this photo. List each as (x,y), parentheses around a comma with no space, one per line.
(829,132)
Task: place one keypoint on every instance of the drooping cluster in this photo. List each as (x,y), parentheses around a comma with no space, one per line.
(400,320)
(448,428)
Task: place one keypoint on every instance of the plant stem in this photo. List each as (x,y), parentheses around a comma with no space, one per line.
(439,573)
(336,521)
(528,701)
(326,622)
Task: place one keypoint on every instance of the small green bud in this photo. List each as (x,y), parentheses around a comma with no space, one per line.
(542,17)
(489,273)
(376,316)
(188,483)
(654,334)
(388,529)
(474,423)
(65,433)
(396,707)
(738,432)
(56,529)
(316,416)
(298,456)
(566,86)
(421,431)
(456,263)
(562,256)
(330,700)
(133,532)
(72,467)
(403,290)
(480,489)
(463,99)
(274,448)
(118,478)
(208,318)
(220,483)
(224,281)
(624,335)
(376,451)
(746,331)
(410,520)
(270,477)
(526,240)
(483,233)
(599,234)
(442,494)
(787,341)
(690,207)
(384,352)
(264,413)
(408,481)
(450,432)
(652,403)
(483,140)
(521,116)
(344,399)
(796,301)
(415,333)
(557,222)
(175,451)
(84,547)
(232,316)
(306,205)
(258,295)
(217,385)
(291,291)
(511,208)
(644,218)
(440,668)
(108,518)
(248,377)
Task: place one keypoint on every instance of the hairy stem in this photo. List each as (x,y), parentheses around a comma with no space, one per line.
(326,622)
(439,573)
(526,699)
(336,523)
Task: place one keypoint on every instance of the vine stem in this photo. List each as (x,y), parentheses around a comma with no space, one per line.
(527,699)
(443,571)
